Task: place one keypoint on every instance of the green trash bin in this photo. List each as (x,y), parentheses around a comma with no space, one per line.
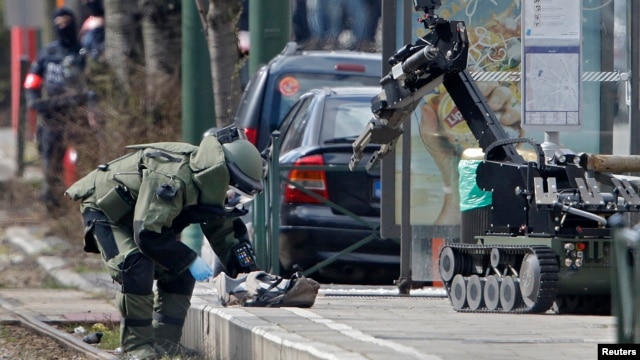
(475,204)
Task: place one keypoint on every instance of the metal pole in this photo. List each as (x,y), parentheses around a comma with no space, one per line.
(21,132)
(622,282)
(392,10)
(634,108)
(388,226)
(269,30)
(273,205)
(198,113)
(197,94)
(259,229)
(635,79)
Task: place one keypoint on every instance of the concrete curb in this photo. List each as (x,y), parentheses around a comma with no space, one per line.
(32,241)
(235,333)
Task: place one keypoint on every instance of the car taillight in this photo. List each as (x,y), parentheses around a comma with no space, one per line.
(350,67)
(252,135)
(313,180)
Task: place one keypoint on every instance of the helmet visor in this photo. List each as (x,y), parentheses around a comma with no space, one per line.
(242,183)
(243,195)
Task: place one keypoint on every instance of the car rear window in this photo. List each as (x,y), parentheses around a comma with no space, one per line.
(345,117)
(289,87)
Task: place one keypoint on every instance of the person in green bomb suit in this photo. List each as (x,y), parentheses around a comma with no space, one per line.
(134,209)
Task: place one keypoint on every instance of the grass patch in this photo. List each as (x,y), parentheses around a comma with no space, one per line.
(110,332)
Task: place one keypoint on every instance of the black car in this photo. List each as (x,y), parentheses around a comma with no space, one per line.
(277,85)
(319,130)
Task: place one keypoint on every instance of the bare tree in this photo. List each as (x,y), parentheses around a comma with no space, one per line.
(161,33)
(221,23)
(123,42)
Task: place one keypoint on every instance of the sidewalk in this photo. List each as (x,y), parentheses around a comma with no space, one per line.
(346,322)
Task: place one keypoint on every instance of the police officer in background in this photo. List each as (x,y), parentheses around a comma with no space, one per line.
(134,209)
(55,88)
(92,33)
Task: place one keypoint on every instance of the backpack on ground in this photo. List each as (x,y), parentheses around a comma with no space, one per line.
(261,289)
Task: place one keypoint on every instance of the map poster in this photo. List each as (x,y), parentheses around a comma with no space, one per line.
(551,81)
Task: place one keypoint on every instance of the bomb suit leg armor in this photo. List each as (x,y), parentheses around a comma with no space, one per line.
(134,272)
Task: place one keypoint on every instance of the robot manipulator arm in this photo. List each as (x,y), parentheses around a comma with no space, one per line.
(416,70)
(376,132)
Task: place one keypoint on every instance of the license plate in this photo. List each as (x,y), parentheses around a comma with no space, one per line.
(377,189)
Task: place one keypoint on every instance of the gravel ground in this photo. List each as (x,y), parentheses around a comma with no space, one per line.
(17,342)
(20,343)
(20,271)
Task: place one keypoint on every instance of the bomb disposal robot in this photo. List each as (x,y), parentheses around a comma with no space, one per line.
(544,240)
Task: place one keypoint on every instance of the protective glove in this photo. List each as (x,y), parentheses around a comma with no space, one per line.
(200,270)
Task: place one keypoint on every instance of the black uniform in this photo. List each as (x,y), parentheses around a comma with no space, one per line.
(92,30)
(58,71)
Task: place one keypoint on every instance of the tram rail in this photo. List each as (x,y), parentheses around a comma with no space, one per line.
(63,338)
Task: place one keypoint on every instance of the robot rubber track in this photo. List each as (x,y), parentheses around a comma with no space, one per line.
(502,279)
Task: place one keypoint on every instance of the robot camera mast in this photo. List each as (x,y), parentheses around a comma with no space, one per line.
(428,6)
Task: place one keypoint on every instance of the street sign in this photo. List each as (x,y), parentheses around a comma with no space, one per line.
(551,65)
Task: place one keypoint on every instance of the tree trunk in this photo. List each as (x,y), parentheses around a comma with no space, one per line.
(161,32)
(222,38)
(123,40)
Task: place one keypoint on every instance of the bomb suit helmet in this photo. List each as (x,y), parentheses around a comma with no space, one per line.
(245,167)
